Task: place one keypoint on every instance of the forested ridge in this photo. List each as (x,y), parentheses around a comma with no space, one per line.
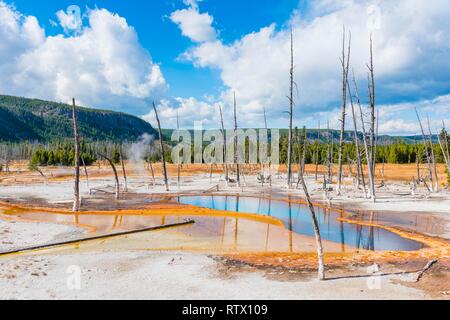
(23,119)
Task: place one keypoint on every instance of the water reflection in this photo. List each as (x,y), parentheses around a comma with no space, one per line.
(228,234)
(297,220)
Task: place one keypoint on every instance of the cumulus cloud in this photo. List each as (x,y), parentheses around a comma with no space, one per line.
(70,20)
(189,110)
(103,65)
(411,46)
(193,24)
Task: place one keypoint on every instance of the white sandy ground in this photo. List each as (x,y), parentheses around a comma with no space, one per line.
(162,275)
(168,275)
(19,234)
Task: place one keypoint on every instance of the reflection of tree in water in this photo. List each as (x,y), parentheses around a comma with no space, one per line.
(269,212)
(290,225)
(341,227)
(369,243)
(236,226)
(224,223)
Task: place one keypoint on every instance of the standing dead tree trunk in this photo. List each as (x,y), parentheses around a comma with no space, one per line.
(330,154)
(225,163)
(444,147)
(116,176)
(371,90)
(317,153)
(345,67)
(163,155)
(123,169)
(368,152)
(76,188)
(360,171)
(321,269)
(433,158)
(179,162)
(86,174)
(290,112)
(152,172)
(236,158)
(427,153)
(270,156)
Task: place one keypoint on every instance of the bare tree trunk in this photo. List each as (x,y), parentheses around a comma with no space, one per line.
(417,163)
(329,154)
(375,146)
(291,110)
(152,172)
(317,153)
(444,150)
(163,155)
(345,67)
(116,176)
(360,170)
(425,144)
(123,169)
(76,188)
(305,141)
(236,158)
(270,157)
(224,147)
(179,163)
(433,159)
(366,145)
(372,108)
(86,174)
(321,271)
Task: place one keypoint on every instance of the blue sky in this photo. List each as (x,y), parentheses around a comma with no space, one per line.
(190,56)
(162,38)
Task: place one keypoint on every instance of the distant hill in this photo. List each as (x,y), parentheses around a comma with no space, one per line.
(313,134)
(23,119)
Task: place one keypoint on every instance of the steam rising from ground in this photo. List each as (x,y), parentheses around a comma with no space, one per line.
(138,151)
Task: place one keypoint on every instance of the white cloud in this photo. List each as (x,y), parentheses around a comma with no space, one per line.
(189,110)
(193,24)
(103,65)
(411,47)
(70,20)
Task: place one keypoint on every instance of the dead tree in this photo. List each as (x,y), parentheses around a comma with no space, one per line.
(270,157)
(86,174)
(302,156)
(224,147)
(444,147)
(152,172)
(116,176)
(330,154)
(163,155)
(360,171)
(425,144)
(321,269)
(372,107)
(236,158)
(291,110)
(305,142)
(76,188)
(123,169)
(368,152)
(179,163)
(433,159)
(317,152)
(345,67)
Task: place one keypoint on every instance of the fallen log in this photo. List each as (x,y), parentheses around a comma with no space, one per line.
(52,245)
(214,188)
(420,274)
